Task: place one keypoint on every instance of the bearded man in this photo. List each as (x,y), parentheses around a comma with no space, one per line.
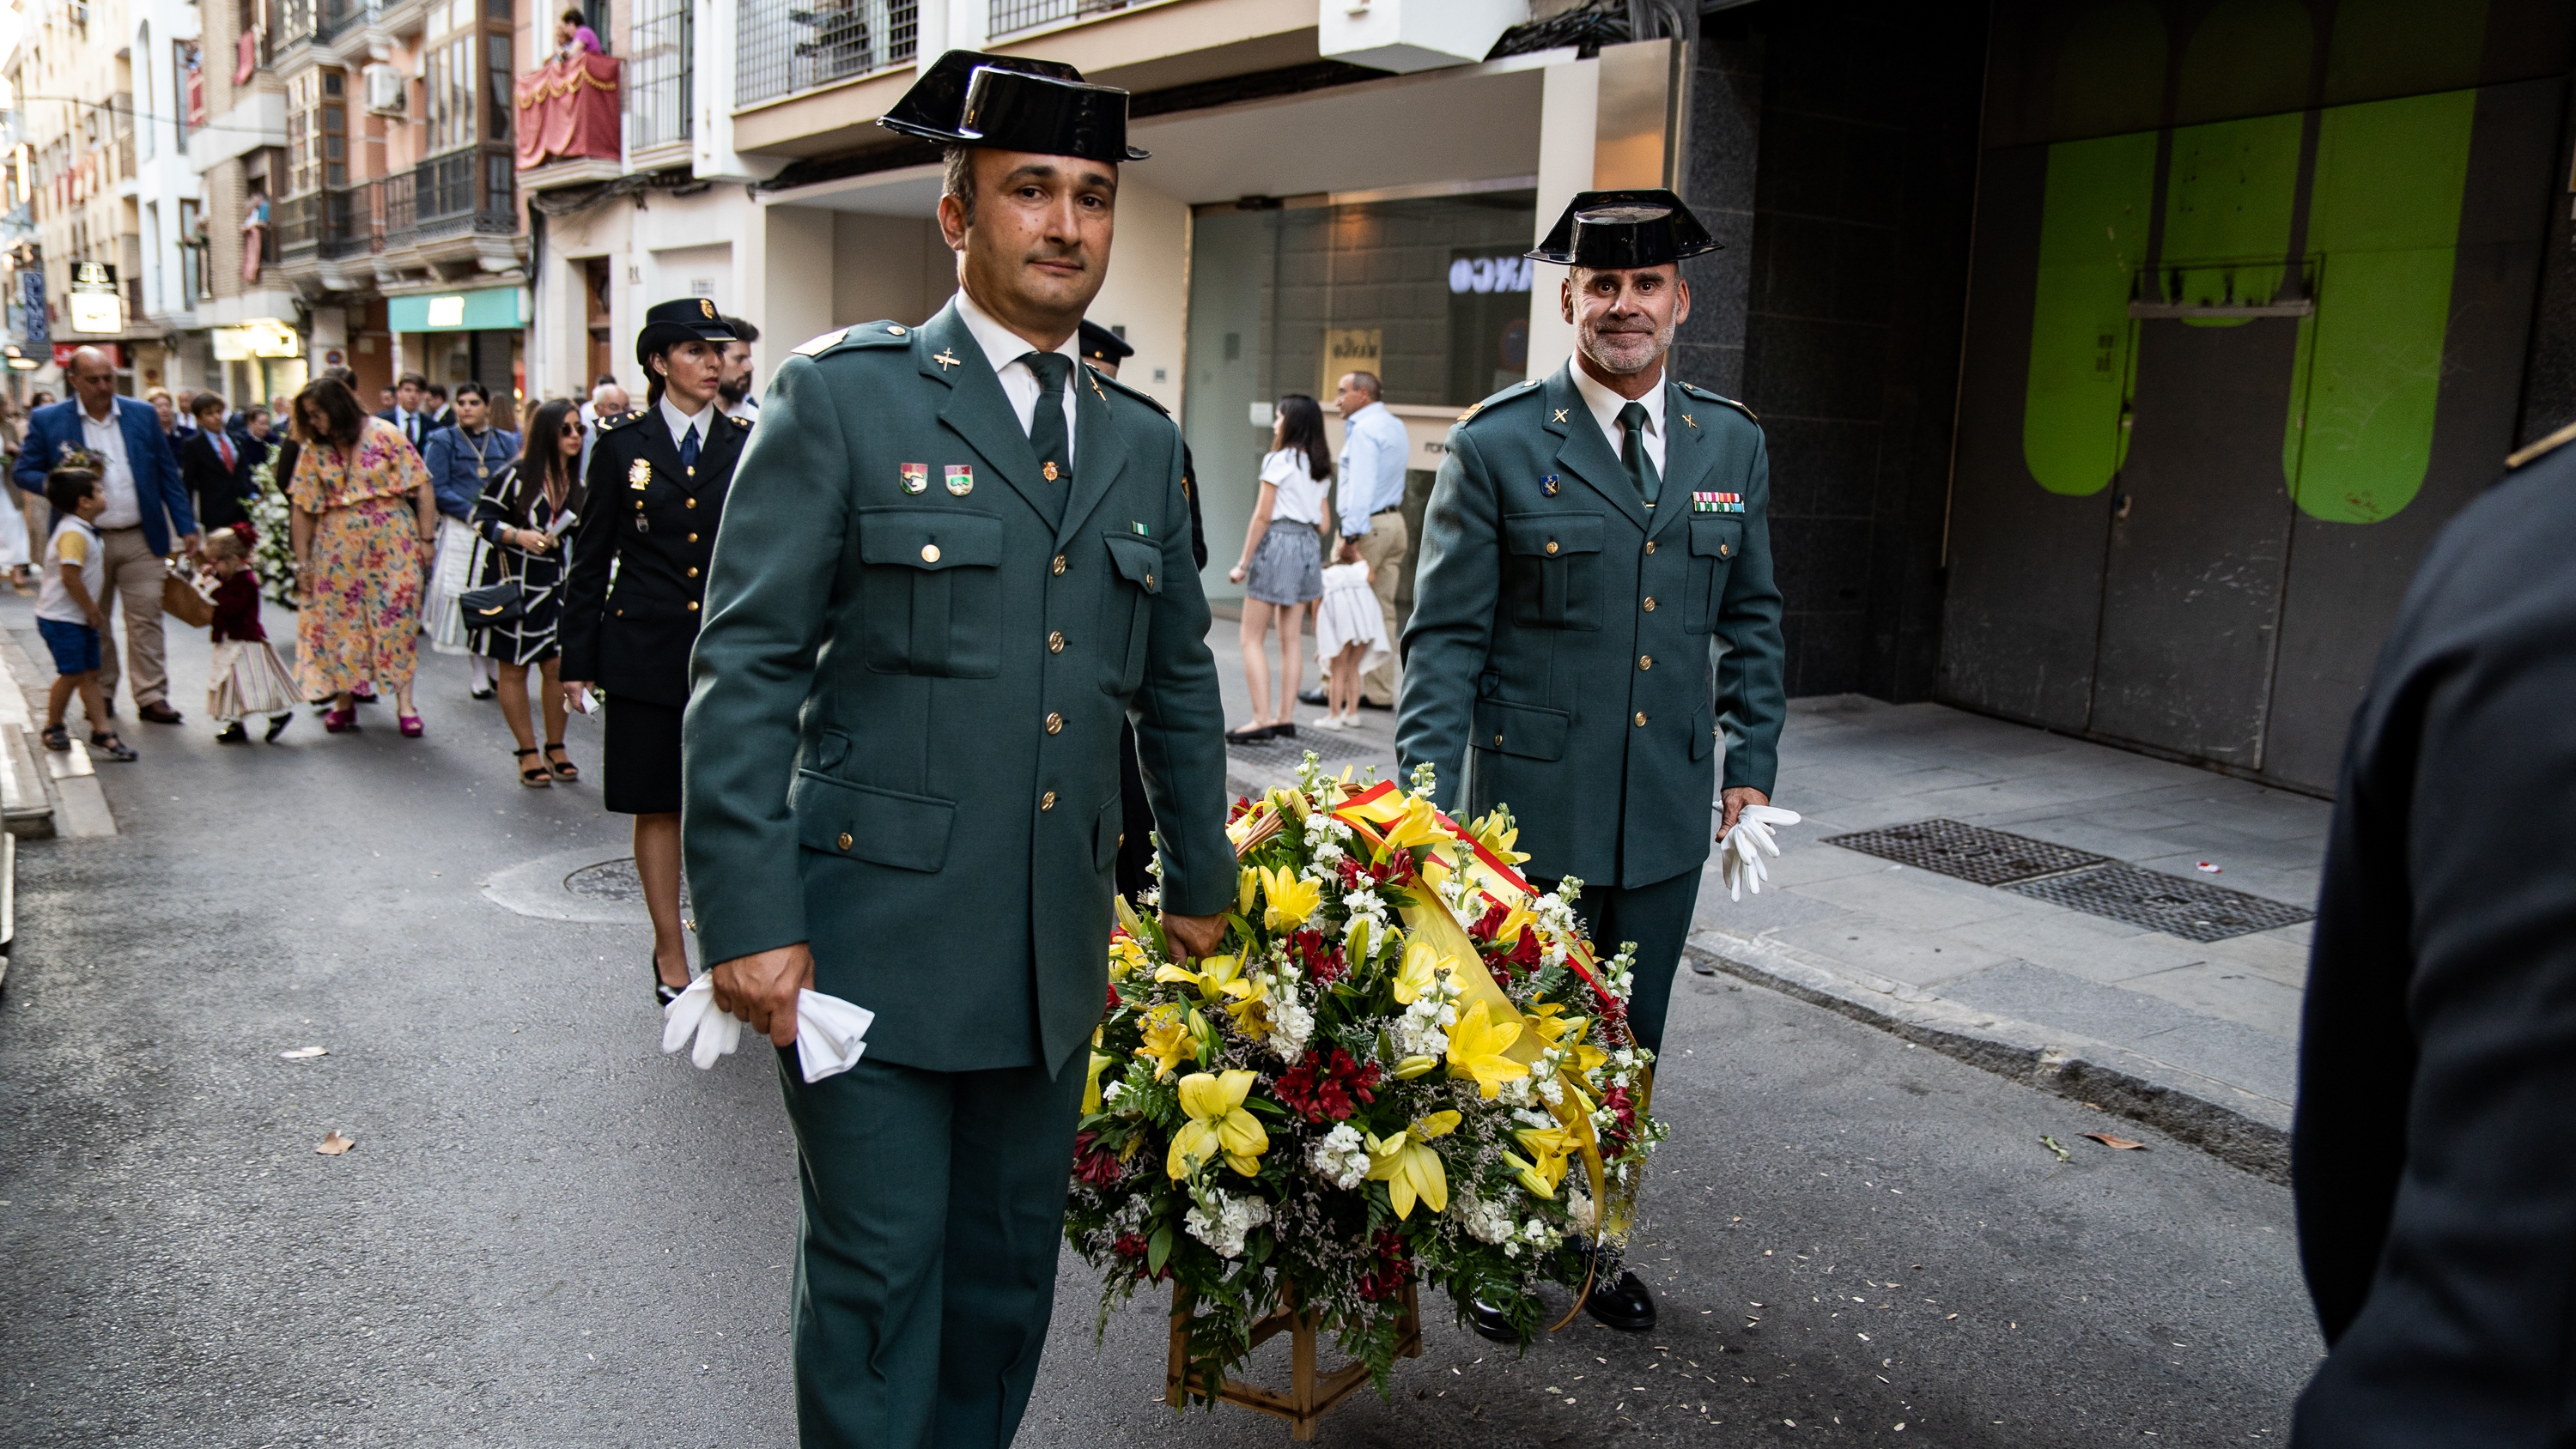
(1594,611)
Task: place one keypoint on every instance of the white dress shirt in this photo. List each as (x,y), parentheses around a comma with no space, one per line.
(1374,447)
(1004,348)
(116,479)
(1605,406)
(679,422)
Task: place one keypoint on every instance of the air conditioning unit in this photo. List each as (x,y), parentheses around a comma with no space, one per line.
(385,89)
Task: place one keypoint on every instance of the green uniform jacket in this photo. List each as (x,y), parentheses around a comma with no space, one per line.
(902,736)
(1561,642)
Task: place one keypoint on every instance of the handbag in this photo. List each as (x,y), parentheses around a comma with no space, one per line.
(182,599)
(493,604)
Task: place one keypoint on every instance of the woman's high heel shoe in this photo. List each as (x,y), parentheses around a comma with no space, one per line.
(662,995)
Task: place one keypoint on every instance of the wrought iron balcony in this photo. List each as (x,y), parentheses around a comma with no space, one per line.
(786,46)
(1010,17)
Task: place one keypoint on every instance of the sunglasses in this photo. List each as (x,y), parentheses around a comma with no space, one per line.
(571,430)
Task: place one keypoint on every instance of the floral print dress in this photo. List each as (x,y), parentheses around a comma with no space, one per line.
(360,623)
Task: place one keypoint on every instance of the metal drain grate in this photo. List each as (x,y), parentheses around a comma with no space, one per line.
(2160,902)
(1969,852)
(613,880)
(1285,756)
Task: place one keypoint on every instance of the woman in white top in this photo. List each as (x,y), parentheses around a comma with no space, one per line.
(1282,569)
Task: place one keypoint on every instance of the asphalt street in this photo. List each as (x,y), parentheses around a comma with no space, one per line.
(550,1234)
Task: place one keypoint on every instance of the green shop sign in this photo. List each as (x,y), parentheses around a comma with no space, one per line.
(493,308)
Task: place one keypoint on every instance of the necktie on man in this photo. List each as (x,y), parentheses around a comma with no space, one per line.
(1641,469)
(224,446)
(689,447)
(1047,436)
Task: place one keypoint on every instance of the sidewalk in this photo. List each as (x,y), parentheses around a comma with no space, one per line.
(2197,1037)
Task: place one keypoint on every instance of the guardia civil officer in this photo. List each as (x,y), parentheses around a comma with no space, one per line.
(955,561)
(2437,1055)
(1594,611)
(1104,350)
(656,488)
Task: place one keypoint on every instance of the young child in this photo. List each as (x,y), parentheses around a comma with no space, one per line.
(1350,640)
(245,677)
(67,610)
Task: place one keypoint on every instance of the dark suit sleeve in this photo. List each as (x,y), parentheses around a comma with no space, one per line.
(35,451)
(1457,586)
(165,468)
(1751,703)
(1179,719)
(1190,486)
(779,548)
(594,547)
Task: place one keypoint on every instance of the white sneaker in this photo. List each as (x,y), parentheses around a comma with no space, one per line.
(1328,722)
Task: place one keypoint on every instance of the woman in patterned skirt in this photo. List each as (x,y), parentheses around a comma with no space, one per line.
(525,516)
(364,514)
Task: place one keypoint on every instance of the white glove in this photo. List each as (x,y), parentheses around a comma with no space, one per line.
(830,1033)
(1741,848)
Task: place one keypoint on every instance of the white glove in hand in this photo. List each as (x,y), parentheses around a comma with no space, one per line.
(1741,848)
(830,1033)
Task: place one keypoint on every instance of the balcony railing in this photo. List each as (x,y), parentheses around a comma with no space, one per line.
(786,46)
(658,68)
(472,191)
(1010,17)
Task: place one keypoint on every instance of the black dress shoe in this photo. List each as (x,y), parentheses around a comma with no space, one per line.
(1311,696)
(662,995)
(1490,1323)
(1625,1305)
(1367,703)
(486,692)
(158,712)
(1283,731)
(277,725)
(1250,734)
(233,734)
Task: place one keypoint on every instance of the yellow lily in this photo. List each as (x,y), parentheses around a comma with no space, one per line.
(1409,1167)
(1291,901)
(1171,1038)
(1216,977)
(1420,966)
(1412,1067)
(1566,1033)
(1496,836)
(1245,885)
(1419,825)
(1125,957)
(1091,1087)
(1476,1047)
(1548,1148)
(1218,1126)
(1251,1011)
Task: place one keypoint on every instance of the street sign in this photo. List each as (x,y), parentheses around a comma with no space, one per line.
(94,302)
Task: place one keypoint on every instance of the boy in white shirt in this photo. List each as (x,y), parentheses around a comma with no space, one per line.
(67,610)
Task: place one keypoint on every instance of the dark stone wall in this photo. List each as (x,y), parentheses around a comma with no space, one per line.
(2549,381)
(1861,117)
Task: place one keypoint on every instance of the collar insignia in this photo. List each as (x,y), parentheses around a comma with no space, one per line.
(945,358)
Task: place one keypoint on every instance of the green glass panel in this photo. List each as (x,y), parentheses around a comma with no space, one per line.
(2228,199)
(2403,47)
(2385,214)
(2093,238)
(2246,57)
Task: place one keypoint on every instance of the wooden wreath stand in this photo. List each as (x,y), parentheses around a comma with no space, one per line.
(1309,1398)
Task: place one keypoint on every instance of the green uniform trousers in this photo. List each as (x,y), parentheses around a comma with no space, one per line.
(1658,918)
(925,1272)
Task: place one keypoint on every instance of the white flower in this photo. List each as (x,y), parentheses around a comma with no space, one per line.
(1364,902)
(1342,1157)
(1579,1208)
(1485,1222)
(1235,1218)
(1290,1025)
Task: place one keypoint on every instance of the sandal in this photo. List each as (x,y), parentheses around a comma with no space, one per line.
(535,777)
(106,742)
(339,721)
(410,725)
(565,770)
(56,737)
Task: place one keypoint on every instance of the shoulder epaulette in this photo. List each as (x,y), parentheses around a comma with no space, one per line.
(1695,390)
(1518,389)
(611,424)
(2543,448)
(1099,378)
(866,334)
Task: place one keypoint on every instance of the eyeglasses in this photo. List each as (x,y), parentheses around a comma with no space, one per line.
(571,430)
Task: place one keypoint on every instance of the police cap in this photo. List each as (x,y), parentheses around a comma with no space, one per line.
(968,98)
(1615,230)
(668,324)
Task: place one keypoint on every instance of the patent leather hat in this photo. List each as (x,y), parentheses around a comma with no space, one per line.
(667,324)
(1616,230)
(968,98)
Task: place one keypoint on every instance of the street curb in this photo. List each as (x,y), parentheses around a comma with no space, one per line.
(2176,1102)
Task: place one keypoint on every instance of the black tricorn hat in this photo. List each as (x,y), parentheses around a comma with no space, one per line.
(667,324)
(1099,344)
(968,98)
(1611,230)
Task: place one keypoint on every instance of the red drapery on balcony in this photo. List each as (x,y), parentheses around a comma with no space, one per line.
(569,108)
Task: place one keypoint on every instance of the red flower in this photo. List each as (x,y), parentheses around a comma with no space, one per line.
(1242,807)
(1623,1105)
(1392,1272)
(1319,1087)
(1094,1166)
(1495,914)
(1111,1009)
(1320,960)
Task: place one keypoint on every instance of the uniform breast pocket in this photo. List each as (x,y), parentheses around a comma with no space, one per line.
(931,592)
(1127,610)
(1552,569)
(1715,544)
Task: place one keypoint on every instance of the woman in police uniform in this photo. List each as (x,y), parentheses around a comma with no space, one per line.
(656,487)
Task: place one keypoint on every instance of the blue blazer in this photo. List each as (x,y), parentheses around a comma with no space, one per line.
(157,486)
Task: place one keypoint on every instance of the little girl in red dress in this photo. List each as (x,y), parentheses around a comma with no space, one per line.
(246,677)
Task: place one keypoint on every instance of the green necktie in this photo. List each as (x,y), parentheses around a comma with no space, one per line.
(1641,469)
(1046,425)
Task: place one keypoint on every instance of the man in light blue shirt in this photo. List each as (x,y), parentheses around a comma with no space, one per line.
(1374,447)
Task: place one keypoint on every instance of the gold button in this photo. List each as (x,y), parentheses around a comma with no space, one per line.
(1059,564)
(1498,742)
(1047,801)
(1551,545)
(845,840)
(1723,551)
(1645,661)
(621,613)
(1149,581)
(693,538)
(690,502)
(693,573)
(1641,719)
(1055,641)
(1055,723)
(693,606)
(930,553)
(1650,545)
(1650,603)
